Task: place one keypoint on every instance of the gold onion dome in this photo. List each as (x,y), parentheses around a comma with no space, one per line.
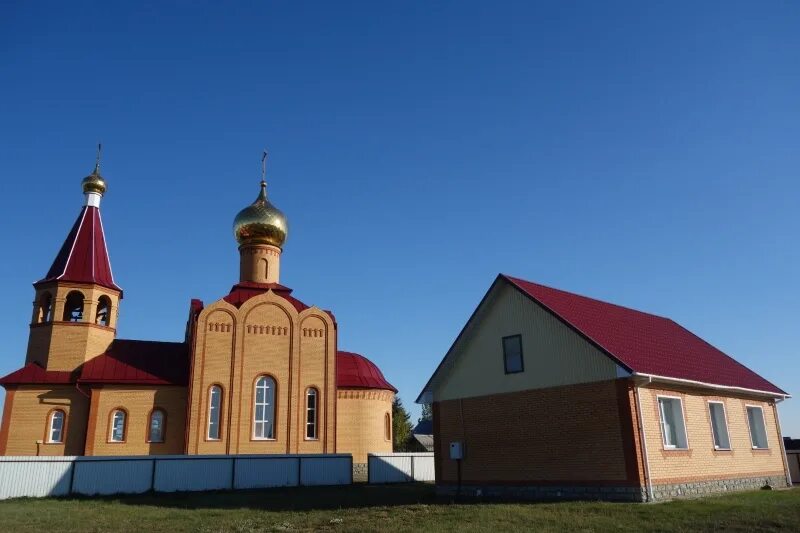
(94,182)
(261,222)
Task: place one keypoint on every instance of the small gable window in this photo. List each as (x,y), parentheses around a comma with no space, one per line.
(719,426)
(103,311)
(73,307)
(117,433)
(673,428)
(156,428)
(758,432)
(55,433)
(512,354)
(214,409)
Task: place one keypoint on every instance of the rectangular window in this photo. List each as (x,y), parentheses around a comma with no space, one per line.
(719,426)
(672,425)
(512,354)
(758,432)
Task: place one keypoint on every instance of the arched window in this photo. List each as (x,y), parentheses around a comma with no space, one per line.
(265,268)
(156,429)
(55,426)
(103,311)
(214,411)
(45,308)
(387,427)
(73,307)
(264,409)
(311,413)
(117,431)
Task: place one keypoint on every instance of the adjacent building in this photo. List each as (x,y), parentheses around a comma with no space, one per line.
(258,371)
(548,394)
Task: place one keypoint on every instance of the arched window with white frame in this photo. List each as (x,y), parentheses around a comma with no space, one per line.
(117,431)
(264,409)
(312,408)
(55,426)
(214,412)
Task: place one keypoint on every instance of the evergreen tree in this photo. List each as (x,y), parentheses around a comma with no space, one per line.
(401,426)
(427,413)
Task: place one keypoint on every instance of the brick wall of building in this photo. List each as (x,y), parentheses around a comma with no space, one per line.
(361,422)
(138,403)
(26,420)
(574,434)
(701,462)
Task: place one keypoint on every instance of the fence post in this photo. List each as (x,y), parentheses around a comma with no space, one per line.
(300,471)
(413,477)
(153,476)
(72,476)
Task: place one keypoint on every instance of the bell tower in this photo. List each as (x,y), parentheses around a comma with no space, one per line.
(75,305)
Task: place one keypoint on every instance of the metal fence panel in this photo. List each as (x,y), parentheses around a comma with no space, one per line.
(191,474)
(112,476)
(21,476)
(326,470)
(261,472)
(401,467)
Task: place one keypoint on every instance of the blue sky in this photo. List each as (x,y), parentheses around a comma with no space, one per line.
(639,152)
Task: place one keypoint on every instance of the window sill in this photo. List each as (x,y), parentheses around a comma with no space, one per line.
(675,449)
(722,449)
(308,439)
(115,442)
(757,449)
(263,439)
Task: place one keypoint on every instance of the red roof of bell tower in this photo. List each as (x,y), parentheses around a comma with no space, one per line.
(83,257)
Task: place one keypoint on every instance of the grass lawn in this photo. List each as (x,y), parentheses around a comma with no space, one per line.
(392,508)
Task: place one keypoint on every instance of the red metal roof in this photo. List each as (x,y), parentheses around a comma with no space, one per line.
(83,257)
(32,374)
(354,371)
(645,343)
(139,363)
(243,291)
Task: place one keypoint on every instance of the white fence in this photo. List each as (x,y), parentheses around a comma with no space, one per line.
(61,476)
(400,467)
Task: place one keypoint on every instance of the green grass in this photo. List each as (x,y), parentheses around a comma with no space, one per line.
(392,508)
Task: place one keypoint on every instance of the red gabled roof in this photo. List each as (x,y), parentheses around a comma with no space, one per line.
(32,374)
(244,290)
(83,257)
(645,343)
(139,363)
(354,371)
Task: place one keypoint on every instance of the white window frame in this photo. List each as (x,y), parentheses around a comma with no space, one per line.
(265,404)
(727,430)
(50,439)
(661,422)
(114,414)
(211,411)
(750,429)
(315,410)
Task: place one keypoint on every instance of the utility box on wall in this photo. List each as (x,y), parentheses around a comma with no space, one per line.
(456,450)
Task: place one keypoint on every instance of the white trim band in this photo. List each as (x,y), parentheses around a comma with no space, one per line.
(666,379)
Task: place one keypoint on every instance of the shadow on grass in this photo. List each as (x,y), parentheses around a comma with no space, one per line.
(289,498)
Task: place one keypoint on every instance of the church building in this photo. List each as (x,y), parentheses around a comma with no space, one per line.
(258,372)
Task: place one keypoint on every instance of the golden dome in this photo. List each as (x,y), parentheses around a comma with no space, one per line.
(94,182)
(261,222)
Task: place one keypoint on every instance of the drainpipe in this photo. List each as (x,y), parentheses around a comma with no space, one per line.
(643,439)
(780,441)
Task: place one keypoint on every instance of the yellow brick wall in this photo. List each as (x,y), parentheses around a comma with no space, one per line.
(28,421)
(701,461)
(266,335)
(138,402)
(360,422)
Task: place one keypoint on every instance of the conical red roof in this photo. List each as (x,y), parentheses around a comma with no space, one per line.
(83,257)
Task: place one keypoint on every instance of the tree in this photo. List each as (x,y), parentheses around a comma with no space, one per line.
(401,426)
(427,413)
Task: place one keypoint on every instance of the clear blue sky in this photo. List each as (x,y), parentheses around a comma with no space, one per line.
(639,152)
